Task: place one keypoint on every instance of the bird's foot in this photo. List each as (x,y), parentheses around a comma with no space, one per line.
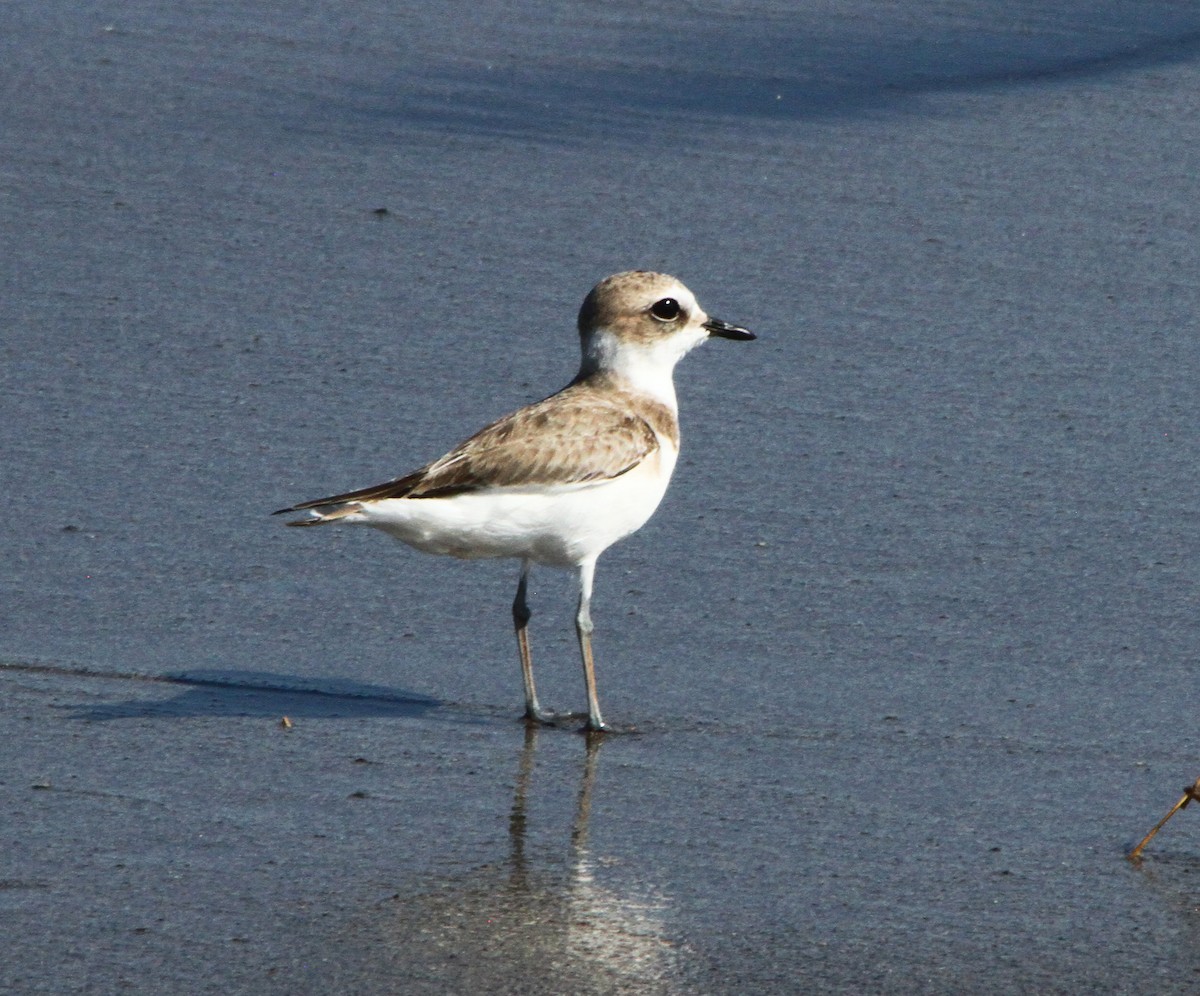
(568,720)
(543,717)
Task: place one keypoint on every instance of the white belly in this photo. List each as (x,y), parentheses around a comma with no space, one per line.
(558,526)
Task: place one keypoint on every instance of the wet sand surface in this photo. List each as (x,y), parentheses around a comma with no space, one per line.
(904,663)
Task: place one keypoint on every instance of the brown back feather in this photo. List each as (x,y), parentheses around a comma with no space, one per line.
(588,431)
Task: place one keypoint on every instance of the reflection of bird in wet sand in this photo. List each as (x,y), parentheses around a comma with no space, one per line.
(536,923)
(559,481)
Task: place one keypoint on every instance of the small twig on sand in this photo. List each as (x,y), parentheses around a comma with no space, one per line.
(1189,793)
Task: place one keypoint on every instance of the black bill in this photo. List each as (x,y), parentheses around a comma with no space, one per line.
(727,331)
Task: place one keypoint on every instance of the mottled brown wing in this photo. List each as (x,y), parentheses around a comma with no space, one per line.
(565,439)
(570,438)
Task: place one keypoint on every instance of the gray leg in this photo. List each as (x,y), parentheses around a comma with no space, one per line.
(584,627)
(521,616)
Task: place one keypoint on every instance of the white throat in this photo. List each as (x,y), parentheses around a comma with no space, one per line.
(644,368)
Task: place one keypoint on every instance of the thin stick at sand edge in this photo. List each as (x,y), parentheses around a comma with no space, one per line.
(1189,793)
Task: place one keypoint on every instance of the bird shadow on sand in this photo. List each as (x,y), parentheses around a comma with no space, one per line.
(235,692)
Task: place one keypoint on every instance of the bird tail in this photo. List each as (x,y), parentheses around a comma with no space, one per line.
(321,516)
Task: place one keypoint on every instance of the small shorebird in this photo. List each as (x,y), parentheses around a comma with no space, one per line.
(559,481)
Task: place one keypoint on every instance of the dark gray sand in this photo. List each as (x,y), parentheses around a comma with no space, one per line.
(910,647)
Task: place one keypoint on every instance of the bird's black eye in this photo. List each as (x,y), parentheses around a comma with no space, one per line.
(666,310)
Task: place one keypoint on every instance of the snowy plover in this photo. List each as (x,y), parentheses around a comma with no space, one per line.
(559,481)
